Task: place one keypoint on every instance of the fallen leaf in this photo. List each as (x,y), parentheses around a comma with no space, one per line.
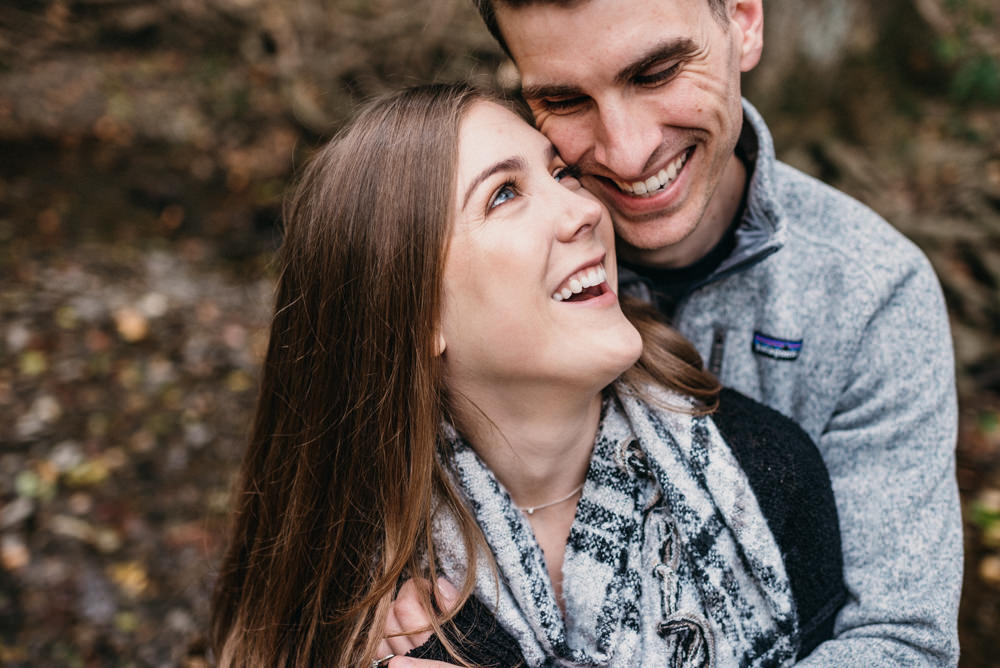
(97,424)
(80,503)
(13,552)
(107,540)
(126,622)
(97,341)
(72,527)
(131,324)
(153,305)
(238,381)
(89,473)
(33,363)
(16,511)
(66,317)
(991,535)
(12,655)
(190,534)
(989,570)
(30,485)
(130,576)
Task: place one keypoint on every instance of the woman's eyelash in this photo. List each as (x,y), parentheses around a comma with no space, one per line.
(510,188)
(509,185)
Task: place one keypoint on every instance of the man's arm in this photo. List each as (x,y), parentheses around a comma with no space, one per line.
(889,448)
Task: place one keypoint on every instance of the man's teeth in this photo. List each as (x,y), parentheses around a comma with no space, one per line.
(580,281)
(662,179)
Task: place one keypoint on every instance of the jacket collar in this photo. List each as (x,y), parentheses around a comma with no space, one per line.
(762,229)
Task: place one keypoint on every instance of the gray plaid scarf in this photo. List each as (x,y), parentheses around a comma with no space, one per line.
(669,561)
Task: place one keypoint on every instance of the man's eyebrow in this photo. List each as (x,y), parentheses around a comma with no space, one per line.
(669,50)
(511,164)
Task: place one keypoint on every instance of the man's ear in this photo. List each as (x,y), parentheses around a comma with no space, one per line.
(747,17)
(440,345)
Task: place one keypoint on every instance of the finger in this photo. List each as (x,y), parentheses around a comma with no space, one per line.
(445,594)
(412,618)
(399,645)
(412,588)
(407,662)
(392,626)
(393,643)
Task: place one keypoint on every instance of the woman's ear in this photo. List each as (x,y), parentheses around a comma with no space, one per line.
(440,345)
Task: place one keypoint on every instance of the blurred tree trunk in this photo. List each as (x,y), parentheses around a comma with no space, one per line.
(841,53)
(809,45)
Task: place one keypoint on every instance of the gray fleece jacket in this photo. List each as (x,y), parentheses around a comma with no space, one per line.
(827,314)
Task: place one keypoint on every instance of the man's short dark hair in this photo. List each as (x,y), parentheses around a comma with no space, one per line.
(487,10)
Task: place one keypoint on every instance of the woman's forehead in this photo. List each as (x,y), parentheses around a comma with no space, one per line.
(487,123)
(490,133)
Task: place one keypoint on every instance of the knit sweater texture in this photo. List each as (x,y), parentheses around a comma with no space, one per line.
(826,313)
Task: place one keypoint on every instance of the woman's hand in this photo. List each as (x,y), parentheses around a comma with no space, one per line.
(407,625)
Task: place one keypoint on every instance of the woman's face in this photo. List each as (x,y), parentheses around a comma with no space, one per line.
(530,276)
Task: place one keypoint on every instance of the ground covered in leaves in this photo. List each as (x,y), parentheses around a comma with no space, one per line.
(145,150)
(127,384)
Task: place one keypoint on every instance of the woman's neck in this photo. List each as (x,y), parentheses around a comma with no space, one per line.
(538,447)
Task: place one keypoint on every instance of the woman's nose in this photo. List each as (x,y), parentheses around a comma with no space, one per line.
(581,213)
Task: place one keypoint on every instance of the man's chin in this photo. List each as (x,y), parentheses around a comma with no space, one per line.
(655,242)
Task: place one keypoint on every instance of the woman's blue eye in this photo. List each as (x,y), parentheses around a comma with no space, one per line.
(505,193)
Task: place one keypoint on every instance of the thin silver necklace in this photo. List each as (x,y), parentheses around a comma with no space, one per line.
(531,509)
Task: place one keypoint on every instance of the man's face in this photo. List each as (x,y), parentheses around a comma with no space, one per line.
(644,98)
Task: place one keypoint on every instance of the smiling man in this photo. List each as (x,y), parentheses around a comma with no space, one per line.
(647,104)
(794,293)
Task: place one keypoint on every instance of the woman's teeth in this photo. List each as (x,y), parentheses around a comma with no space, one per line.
(663,178)
(580,281)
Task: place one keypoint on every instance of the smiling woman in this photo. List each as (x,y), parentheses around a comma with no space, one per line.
(524,240)
(454,388)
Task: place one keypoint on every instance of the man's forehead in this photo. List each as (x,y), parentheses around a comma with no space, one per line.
(561,45)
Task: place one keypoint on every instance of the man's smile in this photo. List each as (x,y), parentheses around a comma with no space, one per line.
(658,181)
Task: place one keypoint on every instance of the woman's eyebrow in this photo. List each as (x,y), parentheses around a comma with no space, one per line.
(511,164)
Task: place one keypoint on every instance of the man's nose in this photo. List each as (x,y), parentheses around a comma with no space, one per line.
(625,140)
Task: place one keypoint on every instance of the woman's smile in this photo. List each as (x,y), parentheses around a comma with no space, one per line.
(584,284)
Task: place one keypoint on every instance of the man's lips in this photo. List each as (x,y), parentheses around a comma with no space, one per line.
(668,185)
(659,181)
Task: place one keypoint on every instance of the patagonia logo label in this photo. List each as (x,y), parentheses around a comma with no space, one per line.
(779,349)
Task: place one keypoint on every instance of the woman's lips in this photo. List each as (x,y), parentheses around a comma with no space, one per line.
(585,279)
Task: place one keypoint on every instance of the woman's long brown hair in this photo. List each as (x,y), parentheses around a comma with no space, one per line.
(340,480)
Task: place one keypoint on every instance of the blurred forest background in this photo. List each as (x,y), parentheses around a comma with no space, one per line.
(144,150)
